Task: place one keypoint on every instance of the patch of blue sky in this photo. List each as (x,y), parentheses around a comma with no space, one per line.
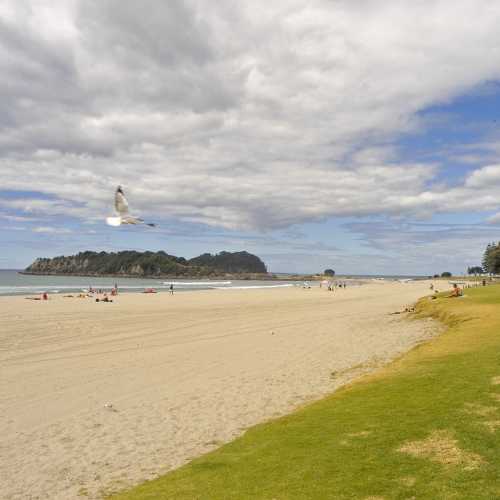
(331,235)
(21,195)
(474,219)
(453,134)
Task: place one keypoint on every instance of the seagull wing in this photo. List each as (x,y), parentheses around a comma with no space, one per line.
(128,219)
(121,203)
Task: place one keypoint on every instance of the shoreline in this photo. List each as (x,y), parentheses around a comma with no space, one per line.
(228,276)
(72,286)
(182,374)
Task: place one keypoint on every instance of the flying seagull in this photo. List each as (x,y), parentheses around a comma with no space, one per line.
(121,207)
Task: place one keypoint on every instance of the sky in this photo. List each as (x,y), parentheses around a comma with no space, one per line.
(360,136)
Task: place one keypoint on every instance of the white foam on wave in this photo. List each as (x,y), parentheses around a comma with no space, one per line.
(197,283)
(249,287)
(22,289)
(219,285)
(37,287)
(6,290)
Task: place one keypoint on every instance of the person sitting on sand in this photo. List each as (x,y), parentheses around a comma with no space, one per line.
(456,292)
(104,299)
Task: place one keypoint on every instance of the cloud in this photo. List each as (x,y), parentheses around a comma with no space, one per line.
(259,115)
(48,207)
(17,218)
(494,219)
(394,247)
(51,230)
(13,228)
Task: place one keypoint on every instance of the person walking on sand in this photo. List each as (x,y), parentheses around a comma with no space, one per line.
(171,288)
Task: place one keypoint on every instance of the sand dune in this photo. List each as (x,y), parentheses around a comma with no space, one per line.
(96,397)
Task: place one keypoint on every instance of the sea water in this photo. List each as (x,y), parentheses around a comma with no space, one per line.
(14,283)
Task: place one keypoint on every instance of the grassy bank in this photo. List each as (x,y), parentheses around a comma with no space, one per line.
(427,426)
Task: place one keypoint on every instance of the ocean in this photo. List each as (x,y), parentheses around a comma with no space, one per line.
(13,283)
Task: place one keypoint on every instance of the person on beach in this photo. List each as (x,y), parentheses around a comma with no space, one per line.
(456,292)
(171,289)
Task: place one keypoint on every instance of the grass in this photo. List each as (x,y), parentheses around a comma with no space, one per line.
(425,427)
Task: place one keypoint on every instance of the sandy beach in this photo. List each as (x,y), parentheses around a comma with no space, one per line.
(95,397)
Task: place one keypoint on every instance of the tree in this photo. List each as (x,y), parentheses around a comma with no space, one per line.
(475,270)
(491,258)
(446,274)
(487,263)
(132,263)
(329,272)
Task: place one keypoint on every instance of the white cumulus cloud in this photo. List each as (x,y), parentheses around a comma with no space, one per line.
(237,114)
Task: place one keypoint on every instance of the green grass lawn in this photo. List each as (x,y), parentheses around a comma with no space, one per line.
(424,427)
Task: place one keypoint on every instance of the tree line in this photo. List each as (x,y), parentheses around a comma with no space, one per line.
(132,263)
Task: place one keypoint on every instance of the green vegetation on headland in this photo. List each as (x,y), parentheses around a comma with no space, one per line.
(151,264)
(427,427)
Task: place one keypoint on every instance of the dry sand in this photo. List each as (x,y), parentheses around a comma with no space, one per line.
(183,374)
